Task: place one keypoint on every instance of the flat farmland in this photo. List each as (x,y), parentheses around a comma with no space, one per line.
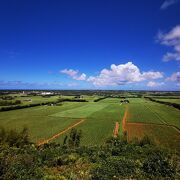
(45,121)
(100,125)
(144,111)
(81,112)
(97,120)
(158,121)
(38,120)
(177,101)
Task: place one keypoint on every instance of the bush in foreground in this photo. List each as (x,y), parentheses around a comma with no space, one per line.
(116,159)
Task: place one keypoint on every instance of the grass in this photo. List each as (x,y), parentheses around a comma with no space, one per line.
(81,112)
(38,120)
(100,124)
(177,101)
(158,121)
(144,111)
(45,121)
(100,118)
(111,100)
(162,135)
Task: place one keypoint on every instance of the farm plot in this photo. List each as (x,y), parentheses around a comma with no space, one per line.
(139,112)
(145,111)
(100,125)
(158,121)
(45,122)
(81,112)
(162,135)
(38,120)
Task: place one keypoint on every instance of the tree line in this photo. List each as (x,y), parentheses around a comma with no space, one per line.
(175,105)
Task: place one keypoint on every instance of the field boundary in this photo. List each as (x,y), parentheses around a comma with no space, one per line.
(125,124)
(60,133)
(155,124)
(156,114)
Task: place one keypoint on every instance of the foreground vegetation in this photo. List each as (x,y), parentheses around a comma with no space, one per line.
(116,159)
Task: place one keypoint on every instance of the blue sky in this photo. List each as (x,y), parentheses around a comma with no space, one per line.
(92,44)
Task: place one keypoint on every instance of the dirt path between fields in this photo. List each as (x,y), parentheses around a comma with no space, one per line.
(124,119)
(116,130)
(60,133)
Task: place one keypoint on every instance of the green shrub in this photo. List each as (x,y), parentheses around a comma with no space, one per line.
(114,167)
(159,164)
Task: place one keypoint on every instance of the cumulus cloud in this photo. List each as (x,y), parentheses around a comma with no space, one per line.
(123,74)
(152,75)
(74,74)
(81,77)
(154,84)
(171,39)
(168,3)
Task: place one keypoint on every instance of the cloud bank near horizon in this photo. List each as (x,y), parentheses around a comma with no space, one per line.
(116,75)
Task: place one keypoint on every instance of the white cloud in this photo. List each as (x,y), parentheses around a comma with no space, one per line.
(171,56)
(74,74)
(154,84)
(152,75)
(70,72)
(168,3)
(81,77)
(122,74)
(175,77)
(171,39)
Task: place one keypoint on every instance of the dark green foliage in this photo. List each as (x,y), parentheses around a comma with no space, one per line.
(19,164)
(9,103)
(7,97)
(99,99)
(74,138)
(159,164)
(116,159)
(14,138)
(177,106)
(114,168)
(146,141)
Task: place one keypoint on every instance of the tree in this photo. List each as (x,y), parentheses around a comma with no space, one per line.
(74,138)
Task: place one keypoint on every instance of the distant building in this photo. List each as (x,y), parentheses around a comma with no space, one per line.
(47,93)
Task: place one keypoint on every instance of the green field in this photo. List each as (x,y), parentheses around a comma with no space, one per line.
(160,121)
(81,112)
(177,101)
(45,121)
(141,110)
